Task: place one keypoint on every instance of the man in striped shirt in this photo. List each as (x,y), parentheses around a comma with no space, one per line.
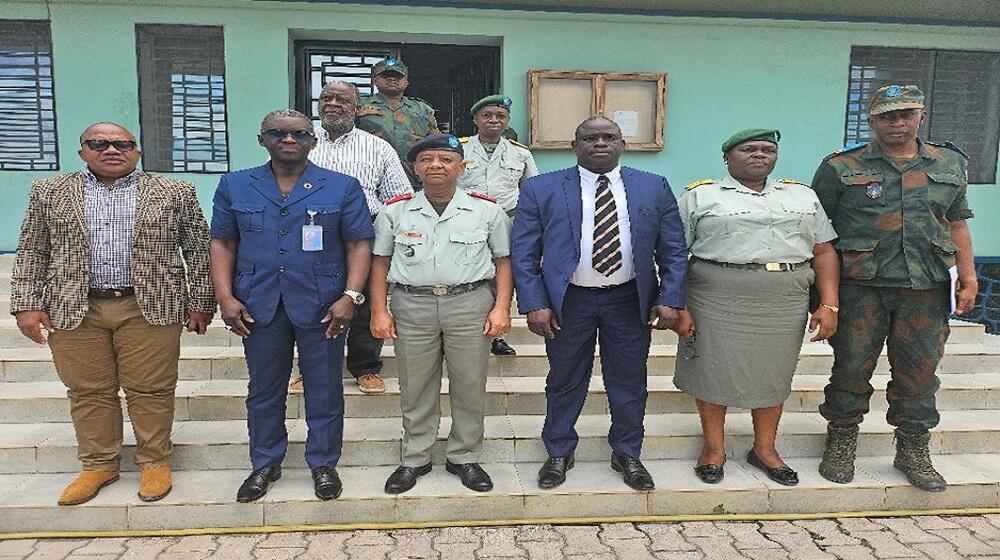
(342,147)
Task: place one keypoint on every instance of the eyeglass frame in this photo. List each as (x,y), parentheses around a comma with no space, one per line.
(127,145)
(269,134)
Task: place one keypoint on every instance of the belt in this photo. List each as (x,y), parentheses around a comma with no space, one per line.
(769,267)
(111,293)
(608,287)
(442,290)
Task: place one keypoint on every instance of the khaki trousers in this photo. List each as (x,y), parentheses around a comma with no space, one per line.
(115,347)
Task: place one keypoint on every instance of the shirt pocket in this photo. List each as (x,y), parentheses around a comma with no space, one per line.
(470,247)
(857,258)
(863,189)
(326,215)
(796,218)
(943,189)
(411,249)
(511,171)
(249,217)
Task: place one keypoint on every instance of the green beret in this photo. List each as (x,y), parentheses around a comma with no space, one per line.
(895,98)
(390,64)
(439,141)
(745,135)
(491,100)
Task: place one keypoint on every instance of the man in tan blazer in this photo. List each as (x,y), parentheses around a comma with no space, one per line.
(111,262)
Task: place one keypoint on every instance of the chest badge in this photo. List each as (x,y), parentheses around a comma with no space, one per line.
(408,252)
(307,186)
(873,190)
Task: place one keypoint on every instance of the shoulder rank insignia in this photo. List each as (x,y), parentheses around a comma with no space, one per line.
(516,143)
(397,198)
(792,182)
(368,111)
(463,139)
(475,194)
(951,146)
(698,183)
(848,148)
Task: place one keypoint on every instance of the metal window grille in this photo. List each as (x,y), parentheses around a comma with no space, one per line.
(318,65)
(182,98)
(963,98)
(27,101)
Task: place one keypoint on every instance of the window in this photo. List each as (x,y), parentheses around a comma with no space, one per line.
(27,101)
(963,98)
(182,97)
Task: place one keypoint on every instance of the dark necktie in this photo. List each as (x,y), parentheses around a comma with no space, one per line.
(607,255)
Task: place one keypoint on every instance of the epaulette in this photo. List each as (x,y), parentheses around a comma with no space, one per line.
(847,149)
(420,100)
(366,111)
(698,183)
(464,139)
(516,143)
(475,194)
(951,146)
(793,182)
(399,197)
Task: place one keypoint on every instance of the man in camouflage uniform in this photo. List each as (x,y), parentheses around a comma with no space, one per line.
(400,121)
(899,206)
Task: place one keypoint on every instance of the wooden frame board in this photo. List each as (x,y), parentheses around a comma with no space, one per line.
(559,100)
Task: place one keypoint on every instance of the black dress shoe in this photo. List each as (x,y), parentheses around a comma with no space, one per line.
(553,471)
(501,348)
(634,473)
(781,475)
(710,474)
(327,483)
(473,476)
(404,478)
(256,485)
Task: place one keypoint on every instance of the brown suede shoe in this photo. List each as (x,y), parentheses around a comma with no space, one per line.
(296,385)
(371,383)
(86,486)
(154,483)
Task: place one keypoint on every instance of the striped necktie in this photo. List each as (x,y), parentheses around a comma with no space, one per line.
(607,255)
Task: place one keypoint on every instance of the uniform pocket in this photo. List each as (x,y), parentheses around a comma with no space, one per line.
(864,189)
(249,217)
(412,248)
(942,190)
(470,247)
(857,258)
(327,216)
(243,282)
(329,282)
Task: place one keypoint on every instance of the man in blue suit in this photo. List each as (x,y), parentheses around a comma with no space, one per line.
(290,254)
(598,254)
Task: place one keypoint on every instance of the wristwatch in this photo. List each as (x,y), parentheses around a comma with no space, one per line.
(357,297)
(833,308)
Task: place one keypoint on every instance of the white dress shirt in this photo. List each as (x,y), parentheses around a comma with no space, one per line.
(585,274)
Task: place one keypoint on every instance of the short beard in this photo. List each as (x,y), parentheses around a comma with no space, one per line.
(338,125)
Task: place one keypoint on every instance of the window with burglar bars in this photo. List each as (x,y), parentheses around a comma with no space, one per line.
(27,101)
(963,98)
(182,98)
(318,64)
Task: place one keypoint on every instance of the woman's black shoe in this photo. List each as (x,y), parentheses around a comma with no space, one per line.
(781,475)
(710,474)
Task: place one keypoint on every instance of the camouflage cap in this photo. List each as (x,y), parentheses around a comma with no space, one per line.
(390,64)
(497,100)
(747,134)
(895,98)
(439,141)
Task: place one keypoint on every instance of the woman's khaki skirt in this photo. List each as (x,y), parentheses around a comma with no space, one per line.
(750,325)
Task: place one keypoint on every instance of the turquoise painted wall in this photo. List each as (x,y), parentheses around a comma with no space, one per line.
(723,75)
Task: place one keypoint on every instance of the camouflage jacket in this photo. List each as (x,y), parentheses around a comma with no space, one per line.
(893,218)
(402,127)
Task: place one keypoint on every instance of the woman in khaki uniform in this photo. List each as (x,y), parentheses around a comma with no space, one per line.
(756,244)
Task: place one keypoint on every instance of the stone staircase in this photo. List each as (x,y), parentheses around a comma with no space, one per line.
(38,448)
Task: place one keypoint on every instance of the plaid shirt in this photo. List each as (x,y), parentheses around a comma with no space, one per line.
(110,216)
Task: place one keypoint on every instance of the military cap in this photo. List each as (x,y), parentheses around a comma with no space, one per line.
(747,134)
(390,64)
(438,141)
(497,100)
(895,98)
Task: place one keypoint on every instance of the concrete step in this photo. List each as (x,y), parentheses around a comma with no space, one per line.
(224,399)
(216,362)
(203,499)
(222,444)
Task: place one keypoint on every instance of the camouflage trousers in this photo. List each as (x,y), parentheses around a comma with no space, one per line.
(914,326)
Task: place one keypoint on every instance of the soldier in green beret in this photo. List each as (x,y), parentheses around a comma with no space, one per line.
(495,166)
(899,206)
(401,121)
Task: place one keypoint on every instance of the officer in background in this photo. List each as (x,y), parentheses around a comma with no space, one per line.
(441,250)
(400,121)
(495,166)
(899,206)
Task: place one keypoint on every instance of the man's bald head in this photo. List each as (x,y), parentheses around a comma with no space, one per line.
(106,126)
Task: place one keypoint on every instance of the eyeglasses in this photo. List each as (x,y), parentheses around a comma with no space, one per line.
(299,136)
(101,145)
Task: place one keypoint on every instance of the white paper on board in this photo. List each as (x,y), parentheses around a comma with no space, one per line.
(628,121)
(953,273)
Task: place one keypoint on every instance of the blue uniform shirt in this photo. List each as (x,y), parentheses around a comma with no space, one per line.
(271,265)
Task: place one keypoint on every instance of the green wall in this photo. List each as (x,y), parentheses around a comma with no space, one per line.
(723,75)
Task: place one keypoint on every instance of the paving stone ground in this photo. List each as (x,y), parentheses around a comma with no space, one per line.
(974,537)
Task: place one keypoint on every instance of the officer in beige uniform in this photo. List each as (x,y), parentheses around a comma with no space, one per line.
(495,166)
(441,249)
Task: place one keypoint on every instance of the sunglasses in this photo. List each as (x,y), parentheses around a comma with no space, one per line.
(101,145)
(299,136)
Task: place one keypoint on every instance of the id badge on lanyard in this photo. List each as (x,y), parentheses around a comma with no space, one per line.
(312,234)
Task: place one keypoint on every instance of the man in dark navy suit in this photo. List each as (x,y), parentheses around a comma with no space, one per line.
(598,254)
(290,253)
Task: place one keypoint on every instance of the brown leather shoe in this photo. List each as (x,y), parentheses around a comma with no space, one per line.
(86,486)
(154,483)
(296,385)
(371,384)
